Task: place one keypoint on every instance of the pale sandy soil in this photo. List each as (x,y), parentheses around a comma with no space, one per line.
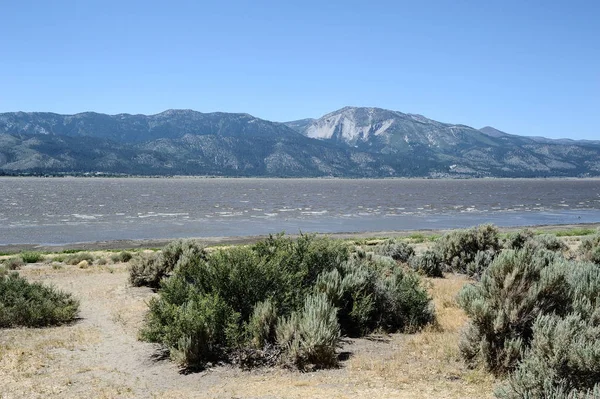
(99,355)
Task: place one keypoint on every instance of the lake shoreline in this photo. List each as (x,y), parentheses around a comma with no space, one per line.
(250,239)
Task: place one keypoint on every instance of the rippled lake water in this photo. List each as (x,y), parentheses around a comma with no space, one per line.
(69,210)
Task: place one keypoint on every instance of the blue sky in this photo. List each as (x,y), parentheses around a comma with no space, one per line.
(525,67)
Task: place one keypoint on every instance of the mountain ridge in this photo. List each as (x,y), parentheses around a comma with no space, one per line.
(349,142)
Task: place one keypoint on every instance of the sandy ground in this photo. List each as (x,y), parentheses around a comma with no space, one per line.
(99,356)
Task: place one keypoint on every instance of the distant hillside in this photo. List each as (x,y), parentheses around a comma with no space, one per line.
(462,149)
(351,142)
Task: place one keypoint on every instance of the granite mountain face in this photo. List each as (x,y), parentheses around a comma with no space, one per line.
(452,150)
(351,142)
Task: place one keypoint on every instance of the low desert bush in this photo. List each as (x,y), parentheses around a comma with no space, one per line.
(562,362)
(527,238)
(483,259)
(397,250)
(516,288)
(459,248)
(262,324)
(428,263)
(172,252)
(310,337)
(195,332)
(33,304)
(536,317)
(372,294)
(101,261)
(589,248)
(147,269)
(31,256)
(121,257)
(549,242)
(78,257)
(518,239)
(13,263)
(292,295)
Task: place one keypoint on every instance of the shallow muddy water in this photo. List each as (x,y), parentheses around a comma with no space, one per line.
(69,210)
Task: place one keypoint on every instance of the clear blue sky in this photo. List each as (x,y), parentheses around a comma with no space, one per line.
(525,67)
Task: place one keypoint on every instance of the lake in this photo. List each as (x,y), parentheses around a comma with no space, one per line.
(69,210)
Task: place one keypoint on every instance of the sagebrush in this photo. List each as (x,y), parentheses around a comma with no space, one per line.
(535,318)
(33,304)
(294,296)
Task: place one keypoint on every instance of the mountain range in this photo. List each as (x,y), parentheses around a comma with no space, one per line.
(350,142)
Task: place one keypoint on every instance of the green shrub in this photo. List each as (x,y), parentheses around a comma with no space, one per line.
(518,239)
(351,288)
(483,259)
(173,251)
(458,249)
(403,303)
(31,257)
(527,238)
(549,242)
(310,337)
(13,263)
(397,250)
(536,316)
(78,257)
(563,361)
(429,264)
(33,304)
(146,269)
(516,288)
(121,257)
(262,323)
(195,332)
(590,248)
(281,282)
(373,294)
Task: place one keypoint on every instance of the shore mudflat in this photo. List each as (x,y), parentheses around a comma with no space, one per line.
(236,240)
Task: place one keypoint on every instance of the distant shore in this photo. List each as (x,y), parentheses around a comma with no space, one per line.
(237,240)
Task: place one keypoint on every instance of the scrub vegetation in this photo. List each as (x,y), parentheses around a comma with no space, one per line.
(284,299)
(33,304)
(468,313)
